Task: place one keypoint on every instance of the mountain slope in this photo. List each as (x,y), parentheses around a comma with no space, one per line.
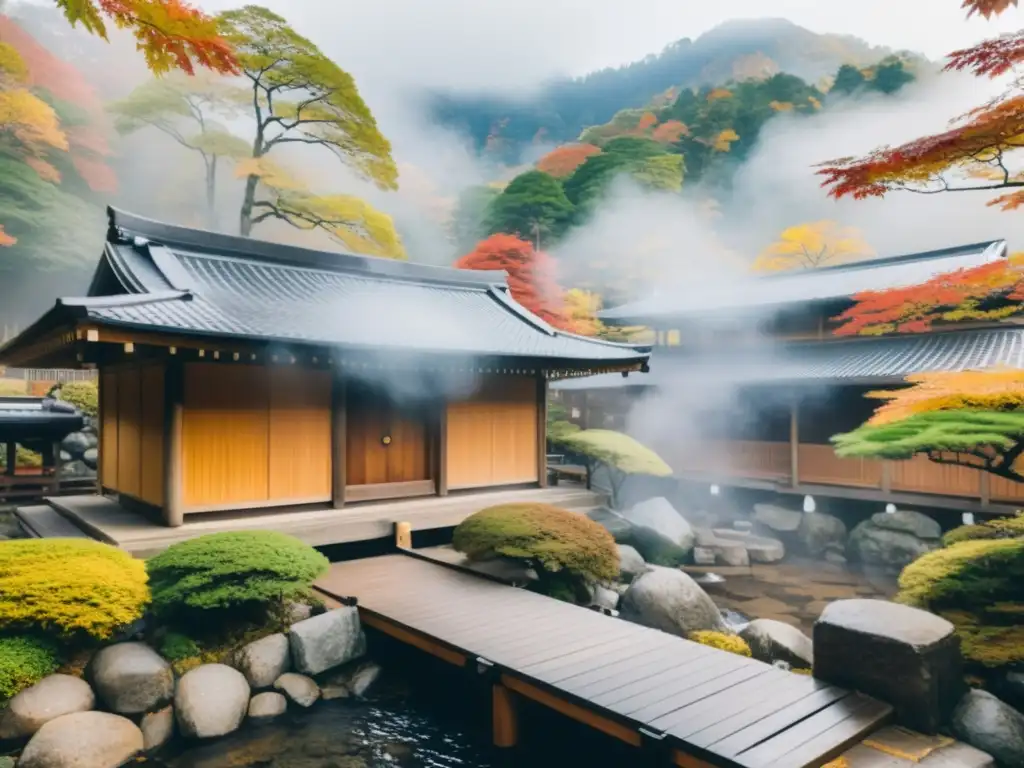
(735,50)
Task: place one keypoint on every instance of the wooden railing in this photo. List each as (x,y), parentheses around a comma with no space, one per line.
(818,465)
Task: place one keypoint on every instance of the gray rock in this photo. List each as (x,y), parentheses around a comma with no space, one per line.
(83,740)
(772,641)
(91,458)
(265,706)
(703,556)
(363,679)
(298,611)
(902,655)
(618,526)
(777,518)
(47,700)
(985,722)
(66,457)
(75,444)
(211,700)
(836,558)
(603,597)
(761,549)
(332,691)
(1011,689)
(818,532)
(733,554)
(301,689)
(908,521)
(669,600)
(884,546)
(326,641)
(131,678)
(76,469)
(157,728)
(631,562)
(264,660)
(659,515)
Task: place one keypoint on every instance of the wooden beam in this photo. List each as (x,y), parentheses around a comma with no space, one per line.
(985,487)
(403,535)
(794,442)
(542,429)
(174,417)
(505,717)
(886,476)
(442,450)
(338,436)
(12,459)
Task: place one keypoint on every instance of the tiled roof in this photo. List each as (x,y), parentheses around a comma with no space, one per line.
(849,361)
(37,417)
(190,282)
(813,285)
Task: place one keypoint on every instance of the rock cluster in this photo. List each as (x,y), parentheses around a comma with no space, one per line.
(145,706)
(79,451)
(890,541)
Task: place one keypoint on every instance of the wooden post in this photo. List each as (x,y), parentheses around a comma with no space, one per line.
(984,487)
(442,450)
(174,416)
(505,717)
(542,432)
(887,476)
(12,458)
(403,535)
(338,435)
(794,443)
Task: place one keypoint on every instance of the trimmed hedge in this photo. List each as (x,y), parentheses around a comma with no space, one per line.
(567,550)
(239,571)
(996,528)
(84,395)
(24,661)
(70,589)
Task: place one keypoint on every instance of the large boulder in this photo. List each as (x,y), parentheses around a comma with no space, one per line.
(761,549)
(50,698)
(779,519)
(326,641)
(902,655)
(264,660)
(131,678)
(659,515)
(75,444)
(301,689)
(669,600)
(211,700)
(893,540)
(985,722)
(617,525)
(83,740)
(772,641)
(631,563)
(157,727)
(820,532)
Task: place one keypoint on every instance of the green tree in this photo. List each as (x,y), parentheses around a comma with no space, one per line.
(189,110)
(642,159)
(849,79)
(891,76)
(533,206)
(298,96)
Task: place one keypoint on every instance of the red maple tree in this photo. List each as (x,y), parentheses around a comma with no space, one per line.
(531,275)
(990,292)
(562,161)
(975,145)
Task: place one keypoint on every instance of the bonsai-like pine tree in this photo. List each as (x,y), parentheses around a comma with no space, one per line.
(619,453)
(971,418)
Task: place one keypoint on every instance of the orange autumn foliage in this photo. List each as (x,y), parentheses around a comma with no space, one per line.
(993,389)
(647,121)
(670,132)
(989,292)
(5,239)
(531,275)
(562,161)
(976,143)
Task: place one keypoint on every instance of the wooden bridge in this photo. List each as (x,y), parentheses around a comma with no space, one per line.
(683,703)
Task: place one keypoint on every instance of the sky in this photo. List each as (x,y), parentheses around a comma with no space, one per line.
(505,45)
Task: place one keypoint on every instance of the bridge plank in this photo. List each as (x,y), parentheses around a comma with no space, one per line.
(724,709)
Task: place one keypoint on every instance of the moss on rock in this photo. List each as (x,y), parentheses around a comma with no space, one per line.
(722,641)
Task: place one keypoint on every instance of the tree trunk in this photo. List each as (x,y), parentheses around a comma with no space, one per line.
(211,192)
(245,218)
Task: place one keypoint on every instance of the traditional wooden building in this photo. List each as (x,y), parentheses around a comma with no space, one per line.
(765,347)
(237,374)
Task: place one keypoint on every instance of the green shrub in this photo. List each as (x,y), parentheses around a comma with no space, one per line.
(71,589)
(24,661)
(175,647)
(567,550)
(84,395)
(13,388)
(246,573)
(655,548)
(975,584)
(721,640)
(996,528)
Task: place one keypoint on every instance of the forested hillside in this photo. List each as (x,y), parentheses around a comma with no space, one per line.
(734,51)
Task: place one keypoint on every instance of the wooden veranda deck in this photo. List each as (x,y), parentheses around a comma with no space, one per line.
(691,705)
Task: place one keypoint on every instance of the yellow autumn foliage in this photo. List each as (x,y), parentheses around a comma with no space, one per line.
(722,641)
(582,307)
(69,588)
(991,389)
(723,141)
(812,245)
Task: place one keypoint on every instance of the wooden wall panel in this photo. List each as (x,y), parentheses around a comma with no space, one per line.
(1001,489)
(492,435)
(818,464)
(108,428)
(921,475)
(129,432)
(300,434)
(225,435)
(152,443)
(368,461)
